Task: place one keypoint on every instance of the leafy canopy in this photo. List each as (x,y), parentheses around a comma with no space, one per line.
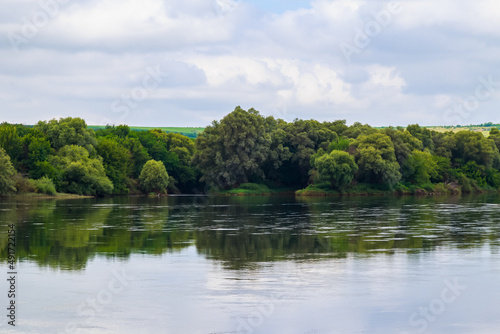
(233,150)
(154,177)
(80,173)
(7,171)
(376,159)
(336,167)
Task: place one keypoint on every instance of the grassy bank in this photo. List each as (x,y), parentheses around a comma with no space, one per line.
(45,196)
(359,189)
(255,189)
(400,189)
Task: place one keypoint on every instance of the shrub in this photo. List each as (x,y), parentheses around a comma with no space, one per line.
(81,174)
(441,188)
(467,184)
(44,186)
(22,185)
(337,168)
(7,171)
(154,177)
(253,186)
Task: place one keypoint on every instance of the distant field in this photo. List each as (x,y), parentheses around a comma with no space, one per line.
(483,129)
(193,132)
(186,131)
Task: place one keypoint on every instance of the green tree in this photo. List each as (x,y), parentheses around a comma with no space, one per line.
(441,143)
(376,159)
(358,129)
(419,168)
(36,149)
(337,126)
(341,144)
(117,163)
(233,150)
(468,146)
(139,154)
(7,172)
(154,177)
(303,139)
(474,172)
(443,169)
(80,173)
(422,134)
(495,136)
(404,143)
(177,158)
(68,131)
(278,153)
(10,141)
(336,167)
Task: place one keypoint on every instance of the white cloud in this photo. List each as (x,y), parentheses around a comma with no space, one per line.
(224,53)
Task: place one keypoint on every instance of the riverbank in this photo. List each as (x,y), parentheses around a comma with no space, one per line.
(45,196)
(400,189)
(255,189)
(362,189)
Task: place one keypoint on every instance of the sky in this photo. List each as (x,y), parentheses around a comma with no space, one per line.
(189,62)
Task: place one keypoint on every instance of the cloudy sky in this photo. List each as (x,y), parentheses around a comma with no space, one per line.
(188,62)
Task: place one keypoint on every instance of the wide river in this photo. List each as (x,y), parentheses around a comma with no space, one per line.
(238,265)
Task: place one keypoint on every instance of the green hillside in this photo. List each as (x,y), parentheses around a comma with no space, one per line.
(191,132)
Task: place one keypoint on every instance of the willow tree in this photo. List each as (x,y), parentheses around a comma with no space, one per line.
(375,156)
(337,168)
(231,151)
(80,174)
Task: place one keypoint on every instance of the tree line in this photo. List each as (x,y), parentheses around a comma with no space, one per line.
(244,147)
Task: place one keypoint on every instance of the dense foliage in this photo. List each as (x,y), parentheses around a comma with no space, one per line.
(7,172)
(337,168)
(154,177)
(243,148)
(73,158)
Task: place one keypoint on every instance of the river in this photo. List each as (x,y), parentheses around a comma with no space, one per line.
(234,265)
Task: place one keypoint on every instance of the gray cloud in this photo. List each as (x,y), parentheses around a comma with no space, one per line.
(223,53)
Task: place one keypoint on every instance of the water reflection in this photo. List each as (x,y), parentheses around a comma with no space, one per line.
(240,231)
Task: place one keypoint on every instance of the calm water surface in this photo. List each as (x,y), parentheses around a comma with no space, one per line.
(240,265)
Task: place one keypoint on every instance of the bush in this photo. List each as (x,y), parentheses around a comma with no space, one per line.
(466,183)
(341,144)
(253,186)
(154,177)
(336,167)
(44,186)
(441,188)
(22,185)
(493,178)
(402,189)
(7,171)
(81,174)
(427,187)
(250,188)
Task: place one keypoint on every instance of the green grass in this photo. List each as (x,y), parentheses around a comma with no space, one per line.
(255,189)
(484,128)
(45,196)
(371,189)
(248,189)
(44,186)
(191,132)
(323,189)
(314,190)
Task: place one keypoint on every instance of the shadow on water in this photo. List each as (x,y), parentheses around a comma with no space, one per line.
(242,231)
